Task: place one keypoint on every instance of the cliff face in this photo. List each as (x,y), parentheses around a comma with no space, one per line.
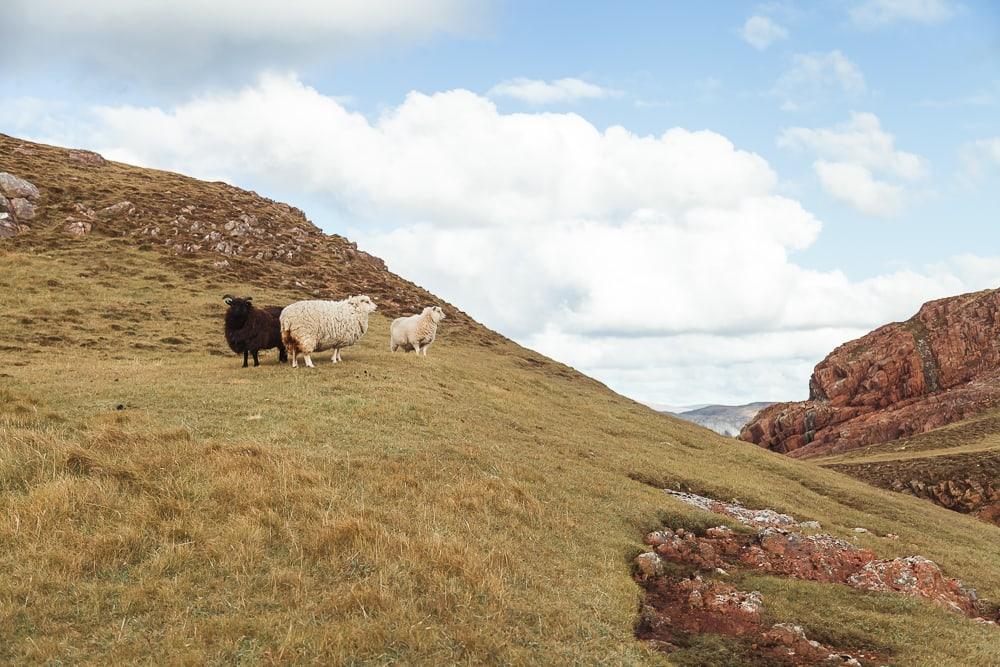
(941,365)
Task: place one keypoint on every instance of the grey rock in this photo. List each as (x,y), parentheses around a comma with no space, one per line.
(11,186)
(8,228)
(88,158)
(121,208)
(76,227)
(22,209)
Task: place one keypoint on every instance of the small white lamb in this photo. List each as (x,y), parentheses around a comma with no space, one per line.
(415,332)
(312,326)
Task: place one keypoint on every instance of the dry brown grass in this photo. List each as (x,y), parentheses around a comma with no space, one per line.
(478,506)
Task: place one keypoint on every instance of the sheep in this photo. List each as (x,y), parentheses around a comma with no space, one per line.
(415,332)
(312,326)
(250,329)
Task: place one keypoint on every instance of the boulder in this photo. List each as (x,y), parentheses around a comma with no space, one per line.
(86,158)
(13,187)
(649,564)
(16,204)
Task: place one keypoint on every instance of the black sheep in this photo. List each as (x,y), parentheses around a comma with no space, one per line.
(250,329)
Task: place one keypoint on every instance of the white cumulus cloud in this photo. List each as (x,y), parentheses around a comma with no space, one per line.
(862,141)
(760,32)
(852,152)
(854,184)
(662,264)
(876,13)
(536,91)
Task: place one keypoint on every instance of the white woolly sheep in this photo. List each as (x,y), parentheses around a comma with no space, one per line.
(415,332)
(312,326)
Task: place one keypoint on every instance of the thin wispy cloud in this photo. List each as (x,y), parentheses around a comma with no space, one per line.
(979,158)
(988,96)
(760,32)
(878,13)
(539,92)
(814,77)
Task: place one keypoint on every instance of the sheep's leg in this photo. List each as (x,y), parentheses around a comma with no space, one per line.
(333,357)
(282,354)
(256,361)
(309,361)
(245,356)
(416,348)
(425,348)
(295,357)
(339,358)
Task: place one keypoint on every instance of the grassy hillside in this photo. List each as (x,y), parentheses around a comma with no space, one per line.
(481,505)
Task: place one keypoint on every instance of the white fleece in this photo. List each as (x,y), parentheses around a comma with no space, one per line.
(312,326)
(415,332)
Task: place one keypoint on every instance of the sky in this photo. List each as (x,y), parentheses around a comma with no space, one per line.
(692,202)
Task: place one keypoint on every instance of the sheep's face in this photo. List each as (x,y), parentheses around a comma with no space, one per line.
(237,306)
(437,314)
(363,303)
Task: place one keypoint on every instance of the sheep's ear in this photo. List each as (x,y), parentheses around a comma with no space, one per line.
(228,299)
(248,298)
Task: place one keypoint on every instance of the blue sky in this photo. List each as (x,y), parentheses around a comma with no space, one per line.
(692,202)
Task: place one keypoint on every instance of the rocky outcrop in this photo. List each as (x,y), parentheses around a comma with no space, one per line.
(86,158)
(685,579)
(967,482)
(785,549)
(83,221)
(17,204)
(940,366)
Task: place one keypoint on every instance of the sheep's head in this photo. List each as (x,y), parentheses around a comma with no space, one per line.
(362,303)
(436,313)
(238,306)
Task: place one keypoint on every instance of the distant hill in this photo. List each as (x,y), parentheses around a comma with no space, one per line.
(725,420)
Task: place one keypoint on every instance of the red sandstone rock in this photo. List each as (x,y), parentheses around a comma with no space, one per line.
(917,577)
(785,550)
(940,366)
(812,557)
